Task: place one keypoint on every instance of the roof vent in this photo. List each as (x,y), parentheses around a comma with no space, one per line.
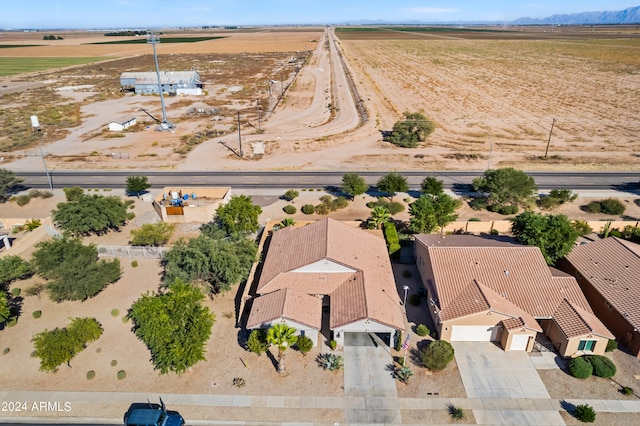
(506,273)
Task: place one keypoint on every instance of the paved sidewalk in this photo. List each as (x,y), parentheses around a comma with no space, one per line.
(101,405)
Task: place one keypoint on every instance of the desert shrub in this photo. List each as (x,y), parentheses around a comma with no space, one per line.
(478,203)
(289,209)
(35,289)
(15,292)
(456,413)
(114,362)
(121,374)
(507,210)
(331,362)
(393,207)
(616,233)
(91,374)
(37,314)
(494,232)
(322,209)
(257,342)
(115,312)
(593,207)
(22,200)
(391,236)
(6,351)
(32,224)
(580,368)
(134,263)
(548,203)
(422,330)
(399,341)
(582,227)
(602,366)
(474,219)
(403,373)
(437,355)
(304,344)
(585,413)
(407,274)
(333,345)
(130,215)
(415,300)
(612,206)
(612,345)
(340,203)
(290,194)
(632,233)
(308,209)
(626,390)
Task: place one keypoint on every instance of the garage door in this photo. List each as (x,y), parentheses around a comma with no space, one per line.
(519,342)
(474,333)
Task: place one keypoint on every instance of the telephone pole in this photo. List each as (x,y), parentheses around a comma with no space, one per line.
(239,135)
(546,151)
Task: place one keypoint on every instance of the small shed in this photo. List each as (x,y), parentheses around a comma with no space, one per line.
(120,125)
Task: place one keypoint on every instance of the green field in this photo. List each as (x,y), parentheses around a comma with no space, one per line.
(143,40)
(13,66)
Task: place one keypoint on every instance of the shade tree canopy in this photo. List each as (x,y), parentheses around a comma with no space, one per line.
(8,182)
(353,184)
(392,183)
(136,185)
(73,270)
(13,268)
(506,186)
(555,235)
(85,214)
(409,132)
(429,213)
(238,216)
(431,186)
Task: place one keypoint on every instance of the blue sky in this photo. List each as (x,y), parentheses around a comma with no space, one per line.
(176,13)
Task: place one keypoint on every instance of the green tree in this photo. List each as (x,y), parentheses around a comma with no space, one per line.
(175,326)
(506,186)
(257,341)
(219,263)
(137,185)
(413,129)
(444,208)
(90,214)
(304,344)
(392,183)
(239,215)
(74,270)
(60,345)
(8,182)
(353,184)
(423,215)
(282,336)
(13,268)
(5,308)
(555,235)
(379,216)
(437,355)
(431,186)
(73,193)
(152,234)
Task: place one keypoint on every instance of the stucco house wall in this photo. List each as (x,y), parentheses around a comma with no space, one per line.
(301,329)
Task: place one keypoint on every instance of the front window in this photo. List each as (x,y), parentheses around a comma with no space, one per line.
(586,345)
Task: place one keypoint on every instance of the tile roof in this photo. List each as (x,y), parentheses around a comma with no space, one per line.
(517,276)
(511,324)
(286,303)
(575,322)
(612,267)
(370,288)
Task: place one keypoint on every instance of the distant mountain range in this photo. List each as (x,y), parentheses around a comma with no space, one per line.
(627,16)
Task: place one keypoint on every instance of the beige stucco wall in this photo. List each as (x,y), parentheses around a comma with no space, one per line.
(504,226)
(310,332)
(490,319)
(507,337)
(568,348)
(199,210)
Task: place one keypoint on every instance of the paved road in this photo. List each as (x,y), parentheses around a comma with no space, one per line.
(458,181)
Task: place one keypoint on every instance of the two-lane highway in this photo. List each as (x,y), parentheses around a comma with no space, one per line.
(314,179)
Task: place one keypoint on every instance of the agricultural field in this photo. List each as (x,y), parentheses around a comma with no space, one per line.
(505,88)
(14,66)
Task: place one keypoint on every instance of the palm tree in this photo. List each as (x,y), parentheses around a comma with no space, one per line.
(282,336)
(379,216)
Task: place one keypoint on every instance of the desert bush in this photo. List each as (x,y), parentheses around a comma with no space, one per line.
(580,368)
(130,215)
(507,210)
(322,209)
(22,200)
(35,289)
(474,219)
(626,390)
(403,373)
(289,209)
(437,355)
(37,314)
(115,312)
(308,209)
(593,207)
(114,362)
(15,292)
(6,351)
(422,330)
(391,236)
(134,263)
(415,300)
(333,345)
(478,203)
(331,362)
(585,413)
(582,227)
(608,206)
(393,207)
(12,322)
(121,374)
(602,366)
(290,194)
(32,224)
(257,342)
(456,413)
(304,344)
(612,345)
(632,233)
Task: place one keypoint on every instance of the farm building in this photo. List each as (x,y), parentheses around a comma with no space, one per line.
(120,125)
(173,82)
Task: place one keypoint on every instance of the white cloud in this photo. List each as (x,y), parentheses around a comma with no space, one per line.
(431,10)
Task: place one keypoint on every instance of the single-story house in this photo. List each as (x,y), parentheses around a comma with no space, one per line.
(482,289)
(173,82)
(347,269)
(120,125)
(608,272)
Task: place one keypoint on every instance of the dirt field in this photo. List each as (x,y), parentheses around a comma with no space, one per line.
(490,93)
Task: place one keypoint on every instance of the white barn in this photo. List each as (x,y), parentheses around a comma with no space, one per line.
(120,125)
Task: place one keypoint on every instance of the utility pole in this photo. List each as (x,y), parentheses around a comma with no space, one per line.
(153,40)
(258,107)
(546,151)
(239,135)
(35,123)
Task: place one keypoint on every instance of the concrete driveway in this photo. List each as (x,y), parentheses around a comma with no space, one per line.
(489,372)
